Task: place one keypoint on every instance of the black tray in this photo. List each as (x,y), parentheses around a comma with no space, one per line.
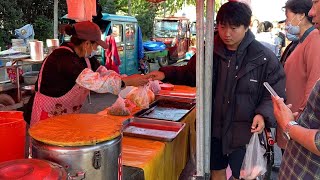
(167,109)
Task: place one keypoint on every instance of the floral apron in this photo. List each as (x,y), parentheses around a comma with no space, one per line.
(46,106)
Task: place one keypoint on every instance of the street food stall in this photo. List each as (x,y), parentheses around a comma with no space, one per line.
(161,155)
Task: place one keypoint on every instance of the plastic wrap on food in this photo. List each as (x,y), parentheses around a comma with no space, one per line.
(141,96)
(119,108)
(154,86)
(100,81)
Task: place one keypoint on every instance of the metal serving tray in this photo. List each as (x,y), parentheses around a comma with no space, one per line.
(153,129)
(184,99)
(169,109)
(170,94)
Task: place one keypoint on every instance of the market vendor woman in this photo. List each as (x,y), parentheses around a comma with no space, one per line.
(70,72)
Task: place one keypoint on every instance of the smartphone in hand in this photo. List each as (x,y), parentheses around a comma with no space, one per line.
(270,89)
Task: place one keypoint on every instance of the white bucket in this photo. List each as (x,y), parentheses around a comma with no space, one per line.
(52,44)
(36,50)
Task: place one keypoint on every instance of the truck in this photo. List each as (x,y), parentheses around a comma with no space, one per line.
(175,33)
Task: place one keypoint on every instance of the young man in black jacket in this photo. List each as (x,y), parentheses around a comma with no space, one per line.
(241,104)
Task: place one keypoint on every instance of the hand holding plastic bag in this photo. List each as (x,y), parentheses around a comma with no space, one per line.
(254,163)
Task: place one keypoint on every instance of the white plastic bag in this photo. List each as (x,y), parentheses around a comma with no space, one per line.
(141,96)
(254,163)
(101,81)
(154,86)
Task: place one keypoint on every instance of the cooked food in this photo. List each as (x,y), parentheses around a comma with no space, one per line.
(75,130)
(119,108)
(141,97)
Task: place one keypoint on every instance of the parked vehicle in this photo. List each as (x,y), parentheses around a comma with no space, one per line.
(124,31)
(175,33)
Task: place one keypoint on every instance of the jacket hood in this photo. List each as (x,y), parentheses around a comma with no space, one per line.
(219,46)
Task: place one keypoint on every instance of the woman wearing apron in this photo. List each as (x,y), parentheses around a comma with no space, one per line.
(70,72)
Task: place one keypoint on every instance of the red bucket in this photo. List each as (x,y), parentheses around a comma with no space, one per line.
(12,135)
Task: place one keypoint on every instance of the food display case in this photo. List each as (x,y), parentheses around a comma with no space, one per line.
(168,108)
(153,129)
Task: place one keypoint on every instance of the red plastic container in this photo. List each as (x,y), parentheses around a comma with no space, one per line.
(31,169)
(166,86)
(12,135)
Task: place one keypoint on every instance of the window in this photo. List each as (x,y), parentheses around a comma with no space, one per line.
(130,32)
(117,32)
(166,28)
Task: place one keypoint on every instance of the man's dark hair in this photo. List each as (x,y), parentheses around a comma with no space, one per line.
(300,6)
(234,13)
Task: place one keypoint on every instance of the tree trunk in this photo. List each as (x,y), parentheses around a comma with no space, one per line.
(129,7)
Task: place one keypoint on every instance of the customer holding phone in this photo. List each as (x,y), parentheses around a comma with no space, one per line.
(302,66)
(301,159)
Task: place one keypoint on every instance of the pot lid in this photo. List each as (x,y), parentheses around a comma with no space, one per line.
(76,130)
(31,169)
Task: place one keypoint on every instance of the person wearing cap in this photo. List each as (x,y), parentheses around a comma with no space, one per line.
(70,72)
(302,66)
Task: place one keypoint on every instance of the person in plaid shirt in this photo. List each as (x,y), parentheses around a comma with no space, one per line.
(301,159)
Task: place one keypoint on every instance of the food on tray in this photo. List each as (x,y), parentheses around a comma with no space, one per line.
(136,131)
(119,108)
(155,126)
(141,96)
(151,96)
(167,86)
(130,105)
(75,130)
(122,107)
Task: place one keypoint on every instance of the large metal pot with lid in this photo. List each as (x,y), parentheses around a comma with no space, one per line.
(94,152)
(100,161)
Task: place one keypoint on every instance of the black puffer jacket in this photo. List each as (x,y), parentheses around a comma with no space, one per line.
(181,75)
(248,96)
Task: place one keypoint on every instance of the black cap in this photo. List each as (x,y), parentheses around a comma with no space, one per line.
(282,21)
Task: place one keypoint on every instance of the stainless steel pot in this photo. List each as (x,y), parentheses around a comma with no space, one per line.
(100,161)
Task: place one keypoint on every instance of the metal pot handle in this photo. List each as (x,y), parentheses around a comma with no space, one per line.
(96,160)
(79,175)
